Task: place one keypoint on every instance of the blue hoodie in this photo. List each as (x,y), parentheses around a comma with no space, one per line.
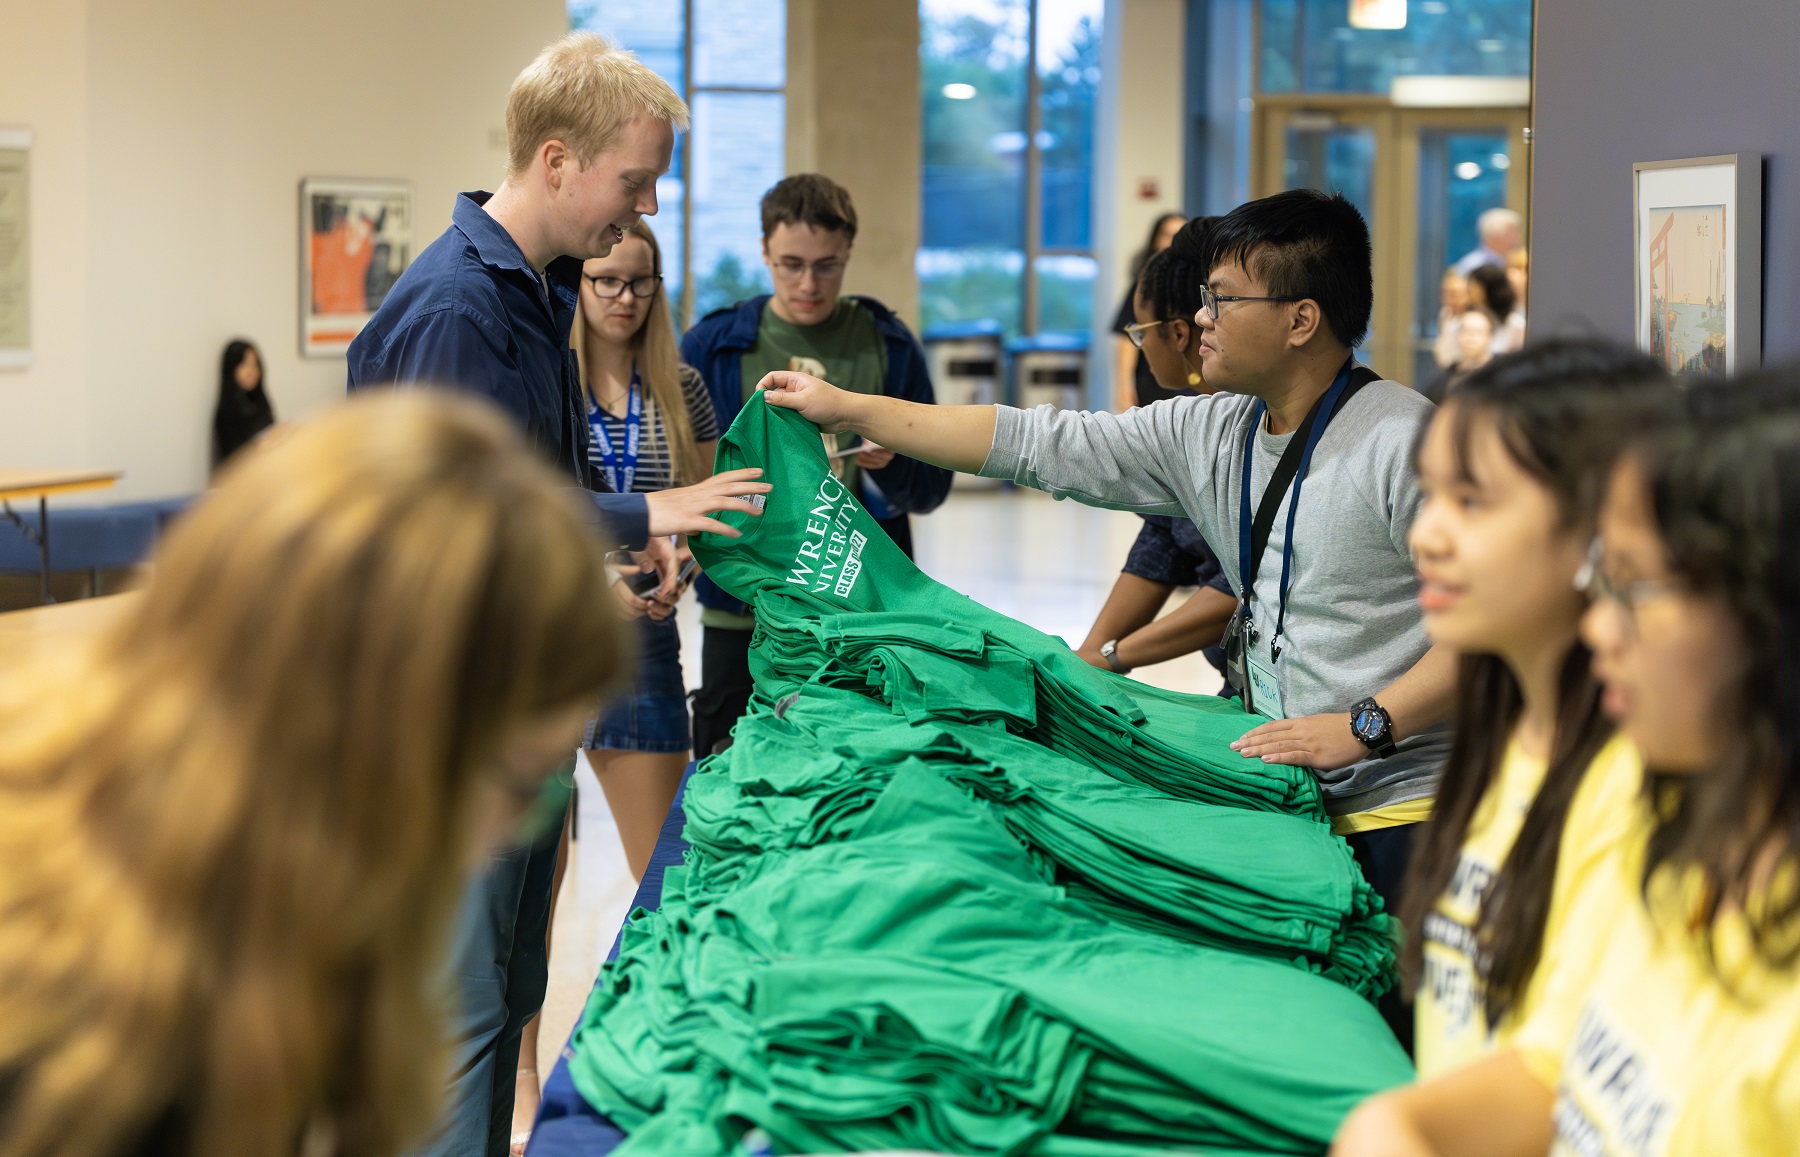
(907,486)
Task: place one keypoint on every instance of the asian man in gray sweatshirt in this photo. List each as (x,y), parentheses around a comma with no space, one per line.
(1334,646)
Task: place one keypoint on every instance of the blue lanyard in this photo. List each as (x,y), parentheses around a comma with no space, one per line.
(620,466)
(1327,406)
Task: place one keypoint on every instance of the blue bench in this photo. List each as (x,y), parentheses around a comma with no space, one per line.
(89,538)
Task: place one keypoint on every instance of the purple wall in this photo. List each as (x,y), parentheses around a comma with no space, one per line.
(1620,81)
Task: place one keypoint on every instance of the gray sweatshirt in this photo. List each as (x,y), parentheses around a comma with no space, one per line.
(1353,620)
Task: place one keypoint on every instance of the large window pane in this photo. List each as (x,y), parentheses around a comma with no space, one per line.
(671,207)
(740,43)
(1069,79)
(1334,159)
(1462,174)
(971,285)
(973,57)
(1066,294)
(737,156)
(651,28)
(1308,45)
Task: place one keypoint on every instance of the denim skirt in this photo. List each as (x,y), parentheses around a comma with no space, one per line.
(653,714)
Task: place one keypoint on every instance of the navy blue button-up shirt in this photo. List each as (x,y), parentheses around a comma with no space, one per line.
(470,313)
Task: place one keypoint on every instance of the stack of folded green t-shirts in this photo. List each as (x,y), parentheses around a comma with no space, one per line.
(928,667)
(917,986)
(953,889)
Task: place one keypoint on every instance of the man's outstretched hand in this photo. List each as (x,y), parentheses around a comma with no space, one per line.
(685,510)
(816,400)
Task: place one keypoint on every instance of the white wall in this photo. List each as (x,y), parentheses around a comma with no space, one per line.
(1139,138)
(43,87)
(171,140)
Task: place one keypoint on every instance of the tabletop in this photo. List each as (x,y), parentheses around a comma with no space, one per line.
(34,483)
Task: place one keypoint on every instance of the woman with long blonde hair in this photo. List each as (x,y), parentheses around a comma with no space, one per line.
(235,826)
(651,426)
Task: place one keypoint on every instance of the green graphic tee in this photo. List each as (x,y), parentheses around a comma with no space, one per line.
(846,350)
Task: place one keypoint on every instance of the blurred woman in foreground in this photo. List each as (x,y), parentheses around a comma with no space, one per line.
(236,825)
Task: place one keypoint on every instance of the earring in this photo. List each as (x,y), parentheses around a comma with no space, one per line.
(1193,374)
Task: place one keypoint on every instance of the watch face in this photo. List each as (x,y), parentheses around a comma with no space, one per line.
(1367,724)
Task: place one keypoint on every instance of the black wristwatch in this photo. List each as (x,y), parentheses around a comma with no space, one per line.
(1373,727)
(1109,651)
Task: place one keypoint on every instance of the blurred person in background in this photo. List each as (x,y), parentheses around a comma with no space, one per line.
(1474,333)
(1134,384)
(243,410)
(1453,300)
(1491,290)
(236,823)
(1500,231)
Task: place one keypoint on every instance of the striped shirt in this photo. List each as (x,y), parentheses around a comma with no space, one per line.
(655,470)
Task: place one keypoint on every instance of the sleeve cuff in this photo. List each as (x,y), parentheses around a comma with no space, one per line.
(1009,435)
(622,519)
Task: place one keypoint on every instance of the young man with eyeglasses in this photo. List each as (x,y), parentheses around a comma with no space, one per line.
(807,325)
(1335,650)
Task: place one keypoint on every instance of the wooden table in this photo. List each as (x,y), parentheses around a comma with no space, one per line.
(41,484)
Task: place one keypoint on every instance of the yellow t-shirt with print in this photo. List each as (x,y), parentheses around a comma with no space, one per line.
(1649,1054)
(1450,1026)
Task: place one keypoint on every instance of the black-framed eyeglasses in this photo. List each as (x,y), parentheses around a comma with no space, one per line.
(1135,333)
(1210,301)
(610,287)
(1593,581)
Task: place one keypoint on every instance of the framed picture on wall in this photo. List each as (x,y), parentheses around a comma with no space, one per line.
(1699,262)
(355,239)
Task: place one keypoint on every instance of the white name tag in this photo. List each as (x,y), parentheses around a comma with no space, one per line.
(1265,689)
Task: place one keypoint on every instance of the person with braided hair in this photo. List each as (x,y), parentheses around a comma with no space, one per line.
(1170,551)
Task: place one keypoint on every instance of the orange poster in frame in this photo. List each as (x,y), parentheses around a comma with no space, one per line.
(355,240)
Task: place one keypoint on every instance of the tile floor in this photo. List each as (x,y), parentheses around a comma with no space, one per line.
(1045,562)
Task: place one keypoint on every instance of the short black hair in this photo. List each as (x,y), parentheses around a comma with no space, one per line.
(1496,289)
(1171,280)
(809,199)
(1304,244)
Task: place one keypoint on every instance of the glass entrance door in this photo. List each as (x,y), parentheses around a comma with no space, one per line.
(1421,177)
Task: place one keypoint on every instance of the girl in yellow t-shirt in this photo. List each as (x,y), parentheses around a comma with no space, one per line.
(1670,1020)
(1506,469)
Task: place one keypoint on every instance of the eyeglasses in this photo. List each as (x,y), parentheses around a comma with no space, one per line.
(1135,333)
(795,270)
(610,287)
(1210,301)
(1593,581)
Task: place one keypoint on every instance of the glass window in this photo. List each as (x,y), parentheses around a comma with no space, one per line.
(1334,158)
(982,139)
(740,43)
(1068,84)
(737,152)
(971,285)
(1309,46)
(708,220)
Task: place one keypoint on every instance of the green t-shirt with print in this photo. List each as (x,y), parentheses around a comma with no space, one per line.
(846,350)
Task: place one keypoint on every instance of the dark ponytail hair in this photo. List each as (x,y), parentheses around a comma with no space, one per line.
(1142,257)
(239,415)
(1171,281)
(1552,404)
(1725,489)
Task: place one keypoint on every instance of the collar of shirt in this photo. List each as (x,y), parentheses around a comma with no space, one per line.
(496,248)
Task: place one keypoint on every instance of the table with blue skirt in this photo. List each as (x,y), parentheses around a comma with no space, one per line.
(567,1126)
